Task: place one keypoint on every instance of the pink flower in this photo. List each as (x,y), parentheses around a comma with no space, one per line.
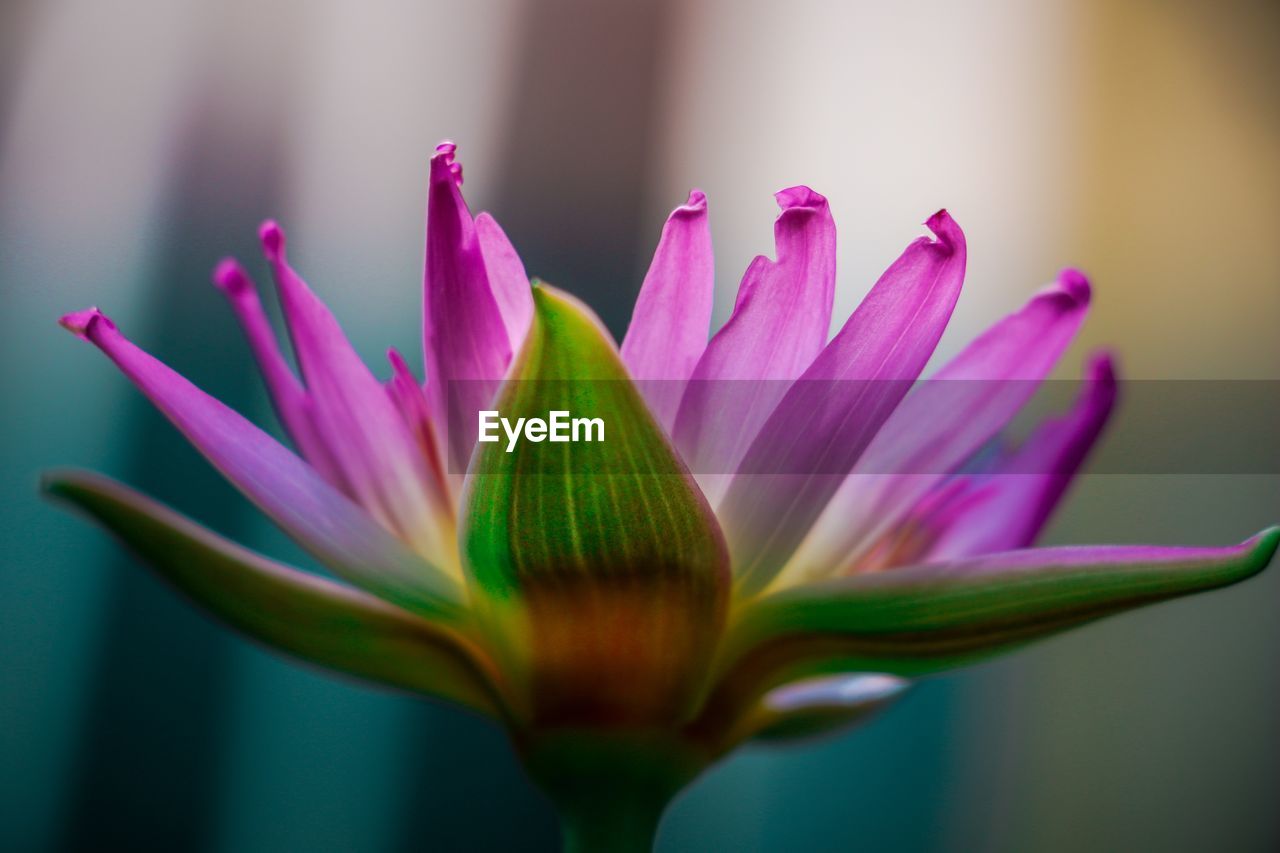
(630,621)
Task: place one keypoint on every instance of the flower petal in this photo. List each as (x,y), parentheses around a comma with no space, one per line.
(910,621)
(365,435)
(779,324)
(411,401)
(307,616)
(941,425)
(810,708)
(466,340)
(1023,489)
(288,397)
(830,415)
(336,531)
(599,565)
(669,326)
(507,278)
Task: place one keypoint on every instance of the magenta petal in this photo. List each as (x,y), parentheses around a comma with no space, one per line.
(332,528)
(411,401)
(778,326)
(830,415)
(507,279)
(466,343)
(365,435)
(943,423)
(288,397)
(668,330)
(1023,489)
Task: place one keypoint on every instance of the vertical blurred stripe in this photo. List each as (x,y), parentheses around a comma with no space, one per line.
(1160,732)
(577,145)
(153,739)
(87,146)
(15,25)
(891,111)
(1179,173)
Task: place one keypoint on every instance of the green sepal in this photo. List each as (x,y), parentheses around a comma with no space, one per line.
(599,565)
(309,617)
(923,619)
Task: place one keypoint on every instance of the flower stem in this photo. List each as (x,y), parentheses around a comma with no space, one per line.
(610,789)
(614,823)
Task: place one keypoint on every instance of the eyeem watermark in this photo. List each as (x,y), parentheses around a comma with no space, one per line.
(558,426)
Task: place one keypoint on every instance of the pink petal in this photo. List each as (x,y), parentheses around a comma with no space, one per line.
(779,324)
(467,340)
(668,330)
(366,436)
(942,424)
(1024,488)
(288,397)
(507,279)
(332,528)
(411,401)
(830,415)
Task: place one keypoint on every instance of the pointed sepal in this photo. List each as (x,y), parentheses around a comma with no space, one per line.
(928,618)
(600,565)
(309,617)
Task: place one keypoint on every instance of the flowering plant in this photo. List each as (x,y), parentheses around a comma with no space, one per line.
(773,534)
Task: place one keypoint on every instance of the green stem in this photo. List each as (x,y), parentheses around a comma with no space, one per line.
(619,823)
(610,788)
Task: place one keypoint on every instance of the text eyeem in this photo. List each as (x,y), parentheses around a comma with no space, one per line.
(558,426)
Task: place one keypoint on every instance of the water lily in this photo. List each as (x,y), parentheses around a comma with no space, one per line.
(777,532)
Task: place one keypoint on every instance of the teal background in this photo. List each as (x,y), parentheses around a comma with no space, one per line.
(143,141)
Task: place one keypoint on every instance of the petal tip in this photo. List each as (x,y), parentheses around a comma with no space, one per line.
(443,162)
(1265,545)
(946,229)
(800,197)
(230,277)
(58,482)
(81,323)
(1101,367)
(696,203)
(1076,285)
(398,364)
(271,235)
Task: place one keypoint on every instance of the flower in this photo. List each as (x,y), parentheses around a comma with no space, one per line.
(778,532)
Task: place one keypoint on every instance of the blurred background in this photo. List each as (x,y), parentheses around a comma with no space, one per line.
(140,141)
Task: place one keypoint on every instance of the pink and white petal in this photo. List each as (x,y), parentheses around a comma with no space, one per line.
(288,397)
(813,707)
(1024,488)
(672,316)
(507,279)
(336,531)
(466,346)
(832,413)
(940,425)
(779,325)
(411,401)
(365,435)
